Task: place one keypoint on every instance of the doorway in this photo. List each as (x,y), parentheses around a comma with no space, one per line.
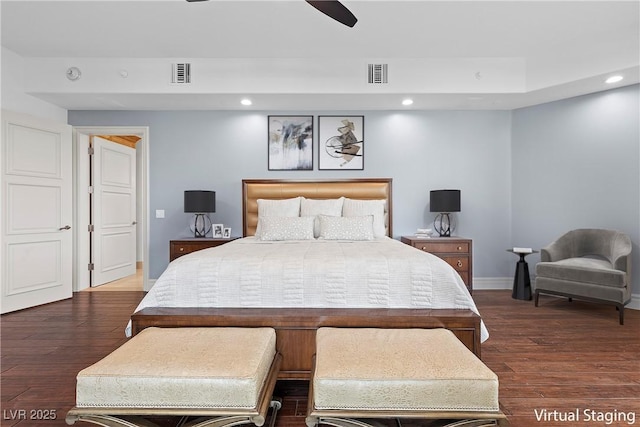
(83,276)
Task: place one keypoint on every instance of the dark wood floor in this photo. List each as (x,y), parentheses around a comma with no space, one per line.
(560,356)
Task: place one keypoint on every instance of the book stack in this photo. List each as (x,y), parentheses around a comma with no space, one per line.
(523,250)
(423,233)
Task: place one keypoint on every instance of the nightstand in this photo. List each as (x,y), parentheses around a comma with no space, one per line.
(180,247)
(456,251)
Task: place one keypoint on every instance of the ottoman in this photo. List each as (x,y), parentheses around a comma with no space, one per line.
(203,372)
(399,373)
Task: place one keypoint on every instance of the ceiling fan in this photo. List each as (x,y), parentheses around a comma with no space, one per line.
(332,8)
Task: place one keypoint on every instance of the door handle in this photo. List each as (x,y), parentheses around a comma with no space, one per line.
(134,223)
(66,227)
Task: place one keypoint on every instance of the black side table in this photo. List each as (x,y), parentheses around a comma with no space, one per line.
(522,280)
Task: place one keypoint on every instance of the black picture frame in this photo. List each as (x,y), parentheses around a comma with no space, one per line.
(290,143)
(341,142)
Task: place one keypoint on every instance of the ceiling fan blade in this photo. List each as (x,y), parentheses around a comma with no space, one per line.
(332,8)
(335,10)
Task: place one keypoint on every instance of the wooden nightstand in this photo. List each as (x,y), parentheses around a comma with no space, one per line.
(456,251)
(180,247)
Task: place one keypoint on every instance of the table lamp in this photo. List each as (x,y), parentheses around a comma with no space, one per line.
(444,202)
(200,203)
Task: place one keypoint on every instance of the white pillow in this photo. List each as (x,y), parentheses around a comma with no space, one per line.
(280,208)
(286,228)
(315,207)
(346,228)
(353,207)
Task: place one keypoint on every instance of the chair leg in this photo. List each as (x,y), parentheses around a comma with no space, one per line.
(535,301)
(620,308)
(570,299)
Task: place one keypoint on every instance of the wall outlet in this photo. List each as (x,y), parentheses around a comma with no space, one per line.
(159,213)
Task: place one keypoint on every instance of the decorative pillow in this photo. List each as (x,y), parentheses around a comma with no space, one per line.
(286,228)
(315,207)
(346,228)
(353,207)
(280,208)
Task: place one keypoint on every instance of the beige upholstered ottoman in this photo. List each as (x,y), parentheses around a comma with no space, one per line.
(400,373)
(208,372)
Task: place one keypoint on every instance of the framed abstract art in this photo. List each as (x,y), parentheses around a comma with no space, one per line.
(290,143)
(341,142)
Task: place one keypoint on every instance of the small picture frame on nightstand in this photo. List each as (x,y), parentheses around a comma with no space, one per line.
(218,229)
(226,233)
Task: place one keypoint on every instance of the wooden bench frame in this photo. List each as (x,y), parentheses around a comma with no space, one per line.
(296,327)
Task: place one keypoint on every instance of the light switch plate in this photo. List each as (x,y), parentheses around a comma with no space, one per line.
(159,213)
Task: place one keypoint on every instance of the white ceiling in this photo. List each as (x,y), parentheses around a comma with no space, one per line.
(443,54)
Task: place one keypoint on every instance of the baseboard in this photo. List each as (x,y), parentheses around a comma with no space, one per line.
(501,283)
(635,302)
(150,284)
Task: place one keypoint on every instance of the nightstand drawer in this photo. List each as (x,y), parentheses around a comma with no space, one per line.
(183,249)
(460,263)
(180,247)
(441,247)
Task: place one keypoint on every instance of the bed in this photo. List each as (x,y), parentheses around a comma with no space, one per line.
(348,273)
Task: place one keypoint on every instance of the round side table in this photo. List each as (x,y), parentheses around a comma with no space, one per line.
(522,280)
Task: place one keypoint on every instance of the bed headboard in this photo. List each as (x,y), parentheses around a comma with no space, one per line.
(364,189)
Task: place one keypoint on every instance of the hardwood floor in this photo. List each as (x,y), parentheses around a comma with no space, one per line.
(129,283)
(558,357)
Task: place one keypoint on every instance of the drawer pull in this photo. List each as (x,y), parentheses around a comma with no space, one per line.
(459,248)
(424,248)
(181,249)
(459,263)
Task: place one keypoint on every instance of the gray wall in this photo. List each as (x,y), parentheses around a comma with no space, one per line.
(421,151)
(576,164)
(526,176)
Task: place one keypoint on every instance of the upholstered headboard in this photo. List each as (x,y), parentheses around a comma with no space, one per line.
(363,189)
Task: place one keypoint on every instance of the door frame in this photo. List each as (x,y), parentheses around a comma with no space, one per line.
(81,197)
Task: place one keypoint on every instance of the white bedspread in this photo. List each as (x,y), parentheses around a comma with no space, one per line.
(247,272)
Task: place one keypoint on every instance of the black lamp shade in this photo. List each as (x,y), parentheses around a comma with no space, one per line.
(445,201)
(198,201)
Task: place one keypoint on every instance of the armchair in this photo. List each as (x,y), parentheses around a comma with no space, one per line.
(587,264)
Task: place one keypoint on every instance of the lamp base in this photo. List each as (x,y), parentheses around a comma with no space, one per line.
(443,224)
(201,225)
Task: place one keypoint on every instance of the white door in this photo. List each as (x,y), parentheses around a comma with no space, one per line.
(37,208)
(113,242)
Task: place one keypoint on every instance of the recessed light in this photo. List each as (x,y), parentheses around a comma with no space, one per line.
(407,101)
(246,101)
(614,79)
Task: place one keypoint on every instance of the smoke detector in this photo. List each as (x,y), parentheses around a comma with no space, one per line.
(73,73)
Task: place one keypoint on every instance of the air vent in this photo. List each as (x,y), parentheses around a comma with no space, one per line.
(181,73)
(378,73)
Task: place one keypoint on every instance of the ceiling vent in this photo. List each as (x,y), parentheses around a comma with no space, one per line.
(181,73)
(378,73)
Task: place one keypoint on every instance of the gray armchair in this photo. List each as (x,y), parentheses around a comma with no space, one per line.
(587,264)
